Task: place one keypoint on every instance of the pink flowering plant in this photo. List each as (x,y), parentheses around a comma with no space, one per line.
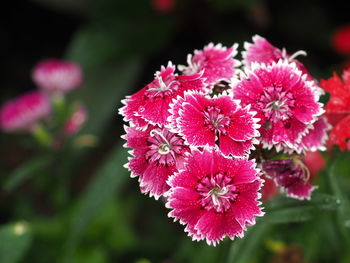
(44,112)
(213,137)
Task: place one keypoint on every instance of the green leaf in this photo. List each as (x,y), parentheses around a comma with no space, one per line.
(338,169)
(242,250)
(288,210)
(108,181)
(30,168)
(15,239)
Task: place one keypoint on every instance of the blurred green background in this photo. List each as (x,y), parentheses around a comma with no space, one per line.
(79,204)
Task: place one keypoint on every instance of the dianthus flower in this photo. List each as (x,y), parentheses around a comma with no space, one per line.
(151,104)
(215,196)
(57,76)
(262,51)
(338,108)
(157,154)
(210,121)
(284,101)
(291,176)
(24,113)
(216,61)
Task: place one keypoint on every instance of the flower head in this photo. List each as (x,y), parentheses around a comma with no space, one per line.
(216,61)
(284,101)
(291,175)
(57,76)
(151,104)
(157,154)
(215,121)
(215,196)
(262,51)
(24,112)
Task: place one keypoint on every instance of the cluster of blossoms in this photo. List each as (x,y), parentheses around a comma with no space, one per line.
(54,78)
(203,138)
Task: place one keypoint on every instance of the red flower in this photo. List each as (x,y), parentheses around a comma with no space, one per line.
(338,108)
(341,40)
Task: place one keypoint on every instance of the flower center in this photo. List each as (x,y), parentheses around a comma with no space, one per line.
(217,192)
(215,120)
(162,87)
(164,147)
(276,104)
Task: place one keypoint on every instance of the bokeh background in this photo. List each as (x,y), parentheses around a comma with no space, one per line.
(79,204)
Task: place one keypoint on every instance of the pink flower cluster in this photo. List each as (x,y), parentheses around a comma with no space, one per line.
(194,134)
(53,78)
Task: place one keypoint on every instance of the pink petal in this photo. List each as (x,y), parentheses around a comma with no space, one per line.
(215,226)
(246,207)
(236,148)
(242,127)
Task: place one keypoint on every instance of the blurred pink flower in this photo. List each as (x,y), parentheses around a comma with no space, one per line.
(57,76)
(24,112)
(315,162)
(76,120)
(269,190)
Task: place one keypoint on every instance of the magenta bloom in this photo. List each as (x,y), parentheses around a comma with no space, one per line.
(76,120)
(215,196)
(151,104)
(210,121)
(292,176)
(24,112)
(217,62)
(157,154)
(285,102)
(261,51)
(57,76)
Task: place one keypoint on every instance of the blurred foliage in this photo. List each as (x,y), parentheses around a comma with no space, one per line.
(79,204)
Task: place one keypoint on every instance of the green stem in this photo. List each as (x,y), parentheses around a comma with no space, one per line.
(42,136)
(58,102)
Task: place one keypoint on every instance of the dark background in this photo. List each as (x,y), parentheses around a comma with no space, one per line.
(75,212)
